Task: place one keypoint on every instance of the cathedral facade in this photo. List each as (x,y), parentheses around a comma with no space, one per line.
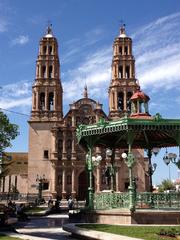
(54,155)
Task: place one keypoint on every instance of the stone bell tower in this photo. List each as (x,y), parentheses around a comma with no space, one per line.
(46,113)
(123,83)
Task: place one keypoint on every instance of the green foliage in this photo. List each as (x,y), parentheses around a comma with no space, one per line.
(171,232)
(8,132)
(143,232)
(166,185)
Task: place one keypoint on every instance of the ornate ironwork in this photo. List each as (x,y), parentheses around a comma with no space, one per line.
(158,200)
(111,200)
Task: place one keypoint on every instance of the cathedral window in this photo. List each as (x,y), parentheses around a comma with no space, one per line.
(126,50)
(120,72)
(51,101)
(69,179)
(120,50)
(50,49)
(42,101)
(127,72)
(68,145)
(120,101)
(50,71)
(43,71)
(44,49)
(59,179)
(46,154)
(129,95)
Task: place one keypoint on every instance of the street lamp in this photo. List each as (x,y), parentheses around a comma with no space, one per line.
(151,168)
(171,157)
(40,180)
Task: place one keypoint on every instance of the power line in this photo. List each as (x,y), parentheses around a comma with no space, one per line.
(23,114)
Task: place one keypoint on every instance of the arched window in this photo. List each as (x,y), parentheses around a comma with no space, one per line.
(60,148)
(69,179)
(44,49)
(127,72)
(51,101)
(43,71)
(126,50)
(59,179)
(120,72)
(120,101)
(42,101)
(50,71)
(120,50)
(50,49)
(69,145)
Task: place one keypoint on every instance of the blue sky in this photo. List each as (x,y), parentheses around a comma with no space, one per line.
(85,30)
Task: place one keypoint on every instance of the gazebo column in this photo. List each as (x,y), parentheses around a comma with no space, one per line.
(130,162)
(90,200)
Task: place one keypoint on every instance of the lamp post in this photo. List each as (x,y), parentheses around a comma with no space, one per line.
(151,168)
(171,157)
(91,162)
(40,180)
(129,160)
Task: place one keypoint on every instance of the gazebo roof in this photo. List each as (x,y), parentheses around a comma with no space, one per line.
(146,133)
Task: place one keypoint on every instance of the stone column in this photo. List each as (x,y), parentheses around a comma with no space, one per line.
(124,69)
(37,101)
(64,184)
(55,100)
(73,183)
(46,99)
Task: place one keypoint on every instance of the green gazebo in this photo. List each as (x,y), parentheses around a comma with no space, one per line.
(138,130)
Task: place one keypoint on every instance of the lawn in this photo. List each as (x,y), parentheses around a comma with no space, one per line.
(4,237)
(36,209)
(143,232)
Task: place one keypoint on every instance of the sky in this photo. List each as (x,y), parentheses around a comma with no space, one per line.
(85,30)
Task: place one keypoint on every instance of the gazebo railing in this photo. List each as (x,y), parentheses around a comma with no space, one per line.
(111,200)
(145,200)
(158,200)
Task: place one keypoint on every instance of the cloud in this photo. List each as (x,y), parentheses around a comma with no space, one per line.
(94,71)
(20,40)
(157,53)
(3,25)
(15,95)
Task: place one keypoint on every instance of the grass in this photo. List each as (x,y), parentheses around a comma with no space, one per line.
(4,237)
(143,232)
(35,209)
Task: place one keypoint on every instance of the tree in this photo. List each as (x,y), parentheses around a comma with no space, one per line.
(166,184)
(8,132)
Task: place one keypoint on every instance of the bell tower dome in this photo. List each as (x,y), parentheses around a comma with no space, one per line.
(47,88)
(123,83)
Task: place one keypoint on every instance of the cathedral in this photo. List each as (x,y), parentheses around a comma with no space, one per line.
(54,155)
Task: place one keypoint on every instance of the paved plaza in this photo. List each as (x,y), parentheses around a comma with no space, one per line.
(47,227)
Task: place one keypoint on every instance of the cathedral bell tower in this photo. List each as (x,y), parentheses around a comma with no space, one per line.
(47,89)
(45,115)
(123,84)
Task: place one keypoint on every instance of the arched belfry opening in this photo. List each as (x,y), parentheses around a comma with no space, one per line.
(51,101)
(42,101)
(120,101)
